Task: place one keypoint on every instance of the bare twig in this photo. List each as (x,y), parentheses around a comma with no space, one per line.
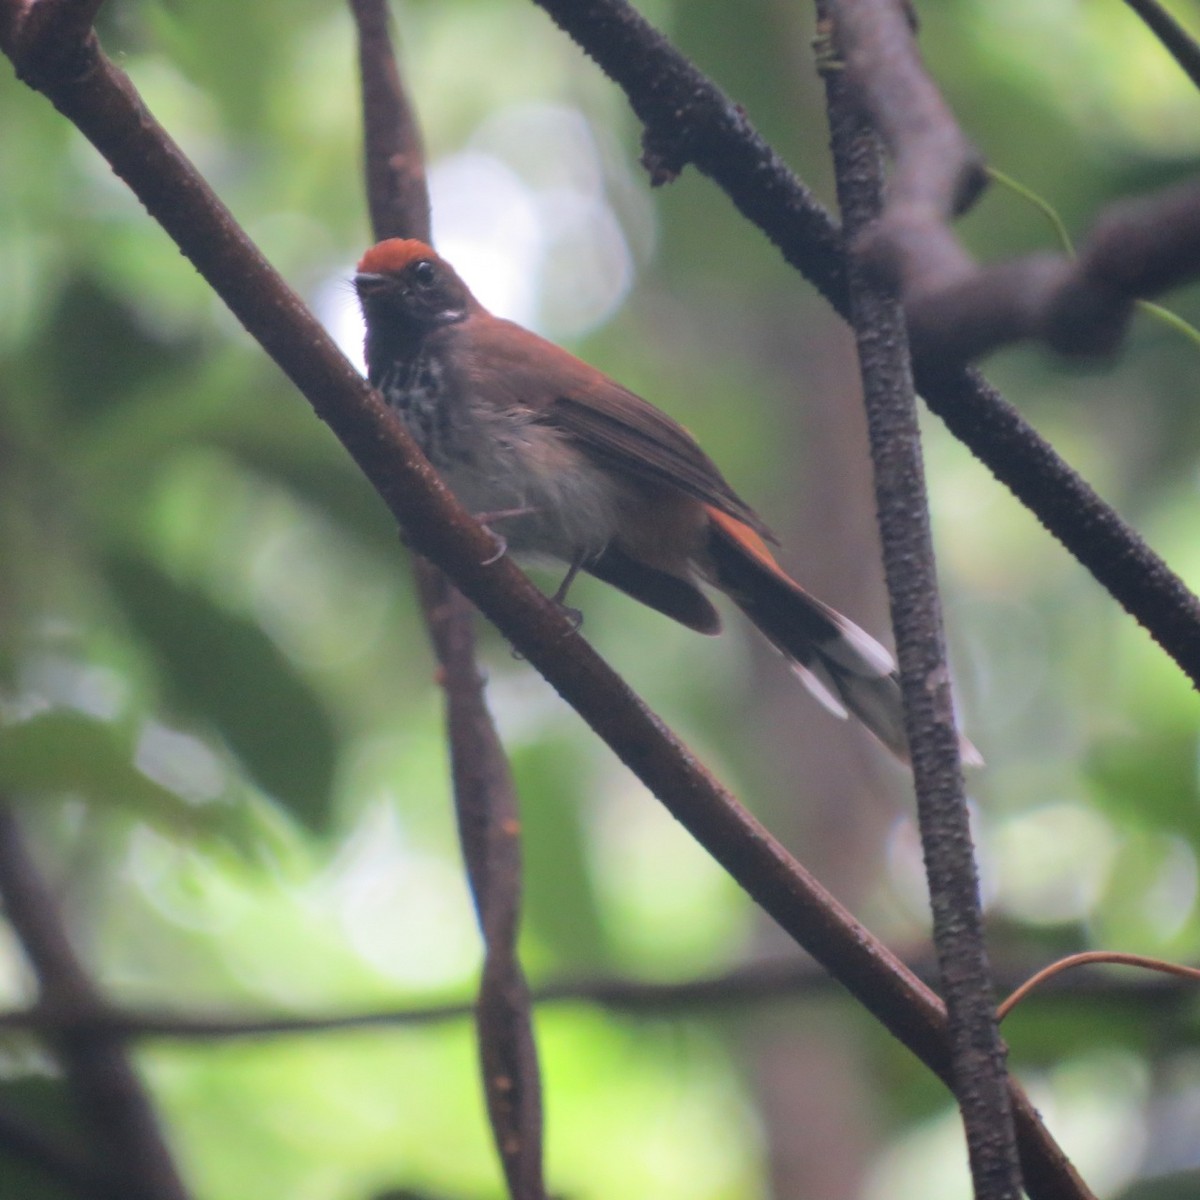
(105,106)
(734,991)
(394,158)
(1094,958)
(130,1144)
(484,797)
(1180,44)
(977,1056)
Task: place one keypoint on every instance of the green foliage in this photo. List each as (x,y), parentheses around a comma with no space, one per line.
(226,672)
(217,708)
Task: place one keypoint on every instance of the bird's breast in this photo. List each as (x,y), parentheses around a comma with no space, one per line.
(498,458)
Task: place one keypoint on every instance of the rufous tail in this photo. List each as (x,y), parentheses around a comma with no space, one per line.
(846,669)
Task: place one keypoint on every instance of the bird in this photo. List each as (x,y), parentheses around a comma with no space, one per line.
(565,464)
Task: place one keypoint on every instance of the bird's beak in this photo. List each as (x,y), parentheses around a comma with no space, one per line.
(366,282)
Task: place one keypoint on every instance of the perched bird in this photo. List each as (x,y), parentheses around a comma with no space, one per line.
(565,463)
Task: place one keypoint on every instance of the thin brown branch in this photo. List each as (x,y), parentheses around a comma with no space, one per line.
(394,157)
(1180,44)
(107,109)
(489,828)
(129,1142)
(1095,958)
(485,799)
(977,1055)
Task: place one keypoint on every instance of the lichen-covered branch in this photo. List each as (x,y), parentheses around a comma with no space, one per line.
(976,1052)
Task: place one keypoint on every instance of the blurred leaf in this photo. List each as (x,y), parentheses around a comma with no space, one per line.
(44,1105)
(1149,780)
(118,355)
(68,751)
(224,670)
(1183,1185)
(561,906)
(321,475)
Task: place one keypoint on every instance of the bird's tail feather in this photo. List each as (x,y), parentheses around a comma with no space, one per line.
(846,669)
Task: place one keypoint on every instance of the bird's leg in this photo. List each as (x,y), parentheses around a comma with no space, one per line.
(574,615)
(486,518)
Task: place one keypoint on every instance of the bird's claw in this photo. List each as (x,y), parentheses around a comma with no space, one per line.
(486,518)
(501,544)
(574,616)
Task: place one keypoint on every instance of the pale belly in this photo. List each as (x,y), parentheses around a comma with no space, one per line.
(540,494)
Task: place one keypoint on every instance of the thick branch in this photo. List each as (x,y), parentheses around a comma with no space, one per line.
(1137,248)
(938,173)
(956,310)
(977,1056)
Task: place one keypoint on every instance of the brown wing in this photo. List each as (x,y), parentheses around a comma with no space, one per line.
(610,423)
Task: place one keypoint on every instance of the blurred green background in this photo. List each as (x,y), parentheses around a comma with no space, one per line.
(217,705)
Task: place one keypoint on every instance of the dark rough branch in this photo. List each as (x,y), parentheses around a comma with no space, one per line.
(976,1052)
(1137,248)
(956,310)
(104,105)
(683,109)
(485,800)
(1180,44)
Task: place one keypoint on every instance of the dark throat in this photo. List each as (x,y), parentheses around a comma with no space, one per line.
(417,389)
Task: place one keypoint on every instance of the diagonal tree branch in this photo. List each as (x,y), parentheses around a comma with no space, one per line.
(1180,44)
(107,109)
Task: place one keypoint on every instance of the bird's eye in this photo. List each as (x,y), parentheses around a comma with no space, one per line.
(424,272)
